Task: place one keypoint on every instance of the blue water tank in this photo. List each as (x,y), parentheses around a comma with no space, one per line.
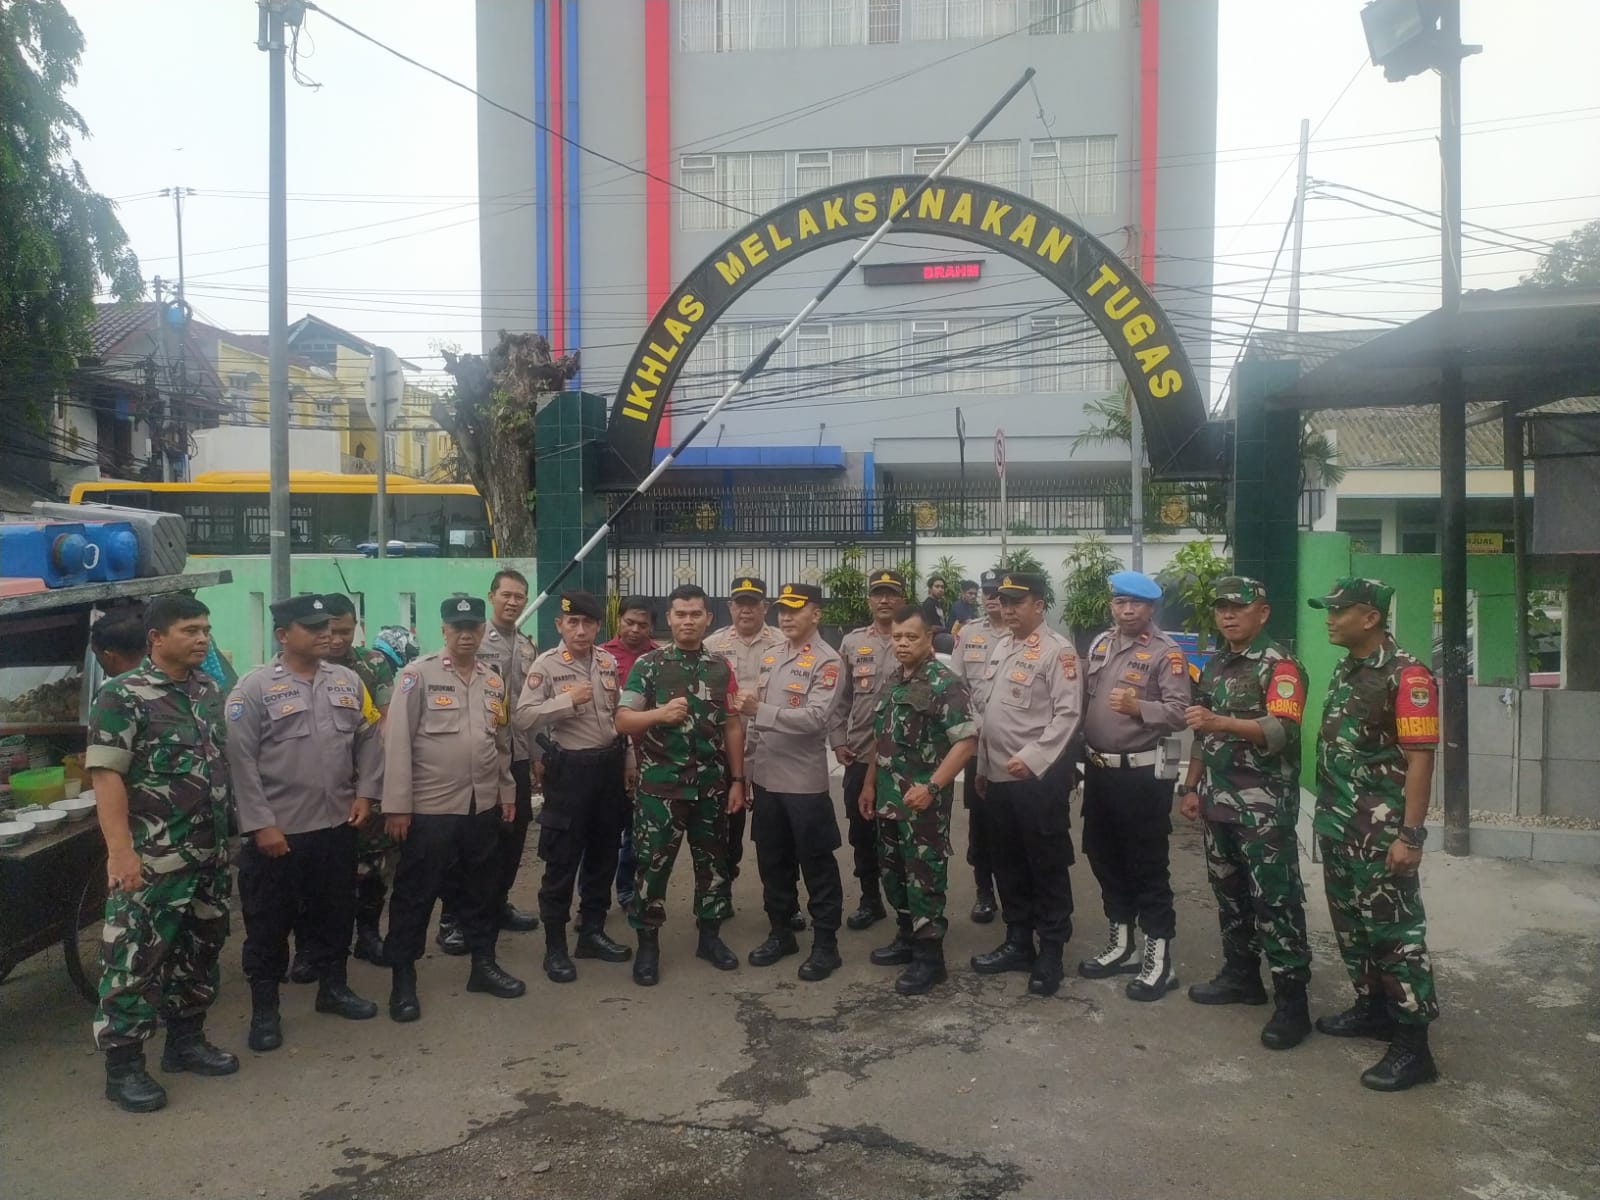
(117,550)
(55,551)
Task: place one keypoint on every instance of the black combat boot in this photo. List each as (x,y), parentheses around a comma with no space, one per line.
(983,907)
(188,1050)
(780,943)
(1239,982)
(1291,1018)
(1119,957)
(450,939)
(869,912)
(927,968)
(898,952)
(824,958)
(558,966)
(1408,1062)
(797,921)
(647,963)
(593,943)
(369,908)
(1367,1017)
(403,1005)
(487,976)
(514,920)
(300,968)
(713,949)
(266,1027)
(334,996)
(1045,979)
(1013,954)
(128,1084)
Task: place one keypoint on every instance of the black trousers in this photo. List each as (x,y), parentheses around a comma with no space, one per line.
(979,856)
(863,832)
(796,834)
(580,833)
(437,845)
(307,890)
(1029,824)
(513,841)
(736,823)
(1127,822)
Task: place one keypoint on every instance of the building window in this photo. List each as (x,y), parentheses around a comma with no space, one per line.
(949,20)
(1366,537)
(1072,16)
(851,165)
(724,26)
(813,356)
(735,186)
(846,22)
(883,21)
(813,169)
(1074,175)
(1067,354)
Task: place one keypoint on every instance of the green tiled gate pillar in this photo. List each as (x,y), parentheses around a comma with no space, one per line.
(1266,489)
(569,438)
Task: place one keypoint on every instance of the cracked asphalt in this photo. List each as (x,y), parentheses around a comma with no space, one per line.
(753,1084)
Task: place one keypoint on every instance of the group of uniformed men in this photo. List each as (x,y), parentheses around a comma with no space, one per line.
(688,736)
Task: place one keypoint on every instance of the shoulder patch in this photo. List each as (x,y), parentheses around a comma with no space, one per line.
(830,674)
(408,681)
(235,709)
(1285,695)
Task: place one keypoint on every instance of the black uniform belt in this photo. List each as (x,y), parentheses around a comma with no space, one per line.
(1106,760)
(594,754)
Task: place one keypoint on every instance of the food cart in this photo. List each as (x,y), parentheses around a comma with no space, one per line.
(53,885)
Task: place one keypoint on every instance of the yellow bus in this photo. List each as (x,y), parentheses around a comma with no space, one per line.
(226,512)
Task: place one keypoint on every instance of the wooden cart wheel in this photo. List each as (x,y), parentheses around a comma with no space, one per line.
(81,944)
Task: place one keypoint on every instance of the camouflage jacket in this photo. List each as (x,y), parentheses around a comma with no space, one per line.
(1243,783)
(164,737)
(918,718)
(1377,708)
(688,760)
(376,671)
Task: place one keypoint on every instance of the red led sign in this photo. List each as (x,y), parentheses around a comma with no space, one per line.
(878,274)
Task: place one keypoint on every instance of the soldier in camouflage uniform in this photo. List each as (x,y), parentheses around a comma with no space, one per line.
(1244,776)
(161,787)
(1380,727)
(925,735)
(679,699)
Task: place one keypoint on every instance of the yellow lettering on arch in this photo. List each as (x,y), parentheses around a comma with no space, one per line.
(779,242)
(730,268)
(961,214)
(676,330)
(1136,330)
(930,205)
(635,414)
(650,370)
(1106,275)
(753,249)
(691,308)
(1122,303)
(866,208)
(897,198)
(1152,358)
(1054,244)
(808,225)
(1023,233)
(640,397)
(833,213)
(1166,384)
(991,218)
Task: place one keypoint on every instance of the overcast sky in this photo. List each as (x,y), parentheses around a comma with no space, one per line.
(383,176)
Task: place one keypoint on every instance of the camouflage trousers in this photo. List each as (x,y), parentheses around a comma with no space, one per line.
(1261,904)
(159,951)
(1382,931)
(914,863)
(660,826)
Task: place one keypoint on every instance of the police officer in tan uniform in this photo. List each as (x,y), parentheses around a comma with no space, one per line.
(570,702)
(1137,683)
(1032,700)
(447,789)
(868,656)
(790,707)
(306,760)
(974,647)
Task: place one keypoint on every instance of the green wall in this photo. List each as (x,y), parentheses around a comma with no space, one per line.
(394,591)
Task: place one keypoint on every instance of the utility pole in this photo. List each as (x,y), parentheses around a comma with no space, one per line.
(1299,227)
(273,16)
(162,424)
(178,194)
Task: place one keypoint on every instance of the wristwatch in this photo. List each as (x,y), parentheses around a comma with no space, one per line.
(1413,835)
(735,778)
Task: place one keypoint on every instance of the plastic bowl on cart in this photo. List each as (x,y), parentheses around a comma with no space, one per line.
(44,819)
(41,785)
(77,808)
(14,833)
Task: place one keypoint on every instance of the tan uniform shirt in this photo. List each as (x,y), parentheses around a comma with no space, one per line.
(1154,667)
(299,751)
(745,658)
(796,693)
(510,656)
(974,648)
(868,660)
(1031,701)
(448,742)
(546,699)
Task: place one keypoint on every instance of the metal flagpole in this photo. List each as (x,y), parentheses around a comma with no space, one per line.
(759,363)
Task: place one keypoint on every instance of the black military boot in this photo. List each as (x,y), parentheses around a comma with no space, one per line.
(1119,957)
(780,943)
(188,1050)
(368,945)
(927,969)
(983,907)
(869,912)
(593,943)
(403,1005)
(1367,1017)
(450,939)
(1291,1019)
(898,952)
(558,966)
(514,920)
(713,949)
(487,976)
(1045,979)
(300,968)
(1013,954)
(266,1027)
(1408,1062)
(647,963)
(797,921)
(824,958)
(128,1084)
(334,996)
(1239,982)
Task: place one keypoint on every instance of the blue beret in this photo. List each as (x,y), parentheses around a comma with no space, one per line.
(1134,584)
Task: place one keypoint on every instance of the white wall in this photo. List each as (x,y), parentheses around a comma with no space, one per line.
(244,448)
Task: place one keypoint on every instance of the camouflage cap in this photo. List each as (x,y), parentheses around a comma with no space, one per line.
(1238,589)
(1354,590)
